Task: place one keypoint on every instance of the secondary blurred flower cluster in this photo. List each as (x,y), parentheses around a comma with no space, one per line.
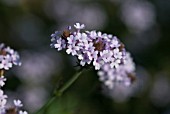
(8,58)
(103,51)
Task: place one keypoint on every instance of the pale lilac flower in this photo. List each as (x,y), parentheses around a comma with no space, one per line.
(115,63)
(114,42)
(98,63)
(79,26)
(72,39)
(23,112)
(80,56)
(2,81)
(18,103)
(60,44)
(85,59)
(109,83)
(2,100)
(16,58)
(6,63)
(106,55)
(2,45)
(2,96)
(92,34)
(117,54)
(92,54)
(72,49)
(56,39)
(100,35)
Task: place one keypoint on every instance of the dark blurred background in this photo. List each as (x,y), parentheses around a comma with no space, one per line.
(143,25)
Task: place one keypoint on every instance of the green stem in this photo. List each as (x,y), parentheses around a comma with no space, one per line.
(68,84)
(60,92)
(48,103)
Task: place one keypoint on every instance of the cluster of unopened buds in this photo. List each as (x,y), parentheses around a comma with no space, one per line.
(8,58)
(103,51)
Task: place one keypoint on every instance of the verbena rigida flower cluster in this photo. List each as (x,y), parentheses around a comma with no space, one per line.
(103,51)
(8,58)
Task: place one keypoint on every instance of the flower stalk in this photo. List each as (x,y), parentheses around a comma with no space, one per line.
(68,84)
(59,92)
(45,107)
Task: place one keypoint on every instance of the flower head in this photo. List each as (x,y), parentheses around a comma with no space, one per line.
(9,110)
(90,47)
(104,52)
(8,57)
